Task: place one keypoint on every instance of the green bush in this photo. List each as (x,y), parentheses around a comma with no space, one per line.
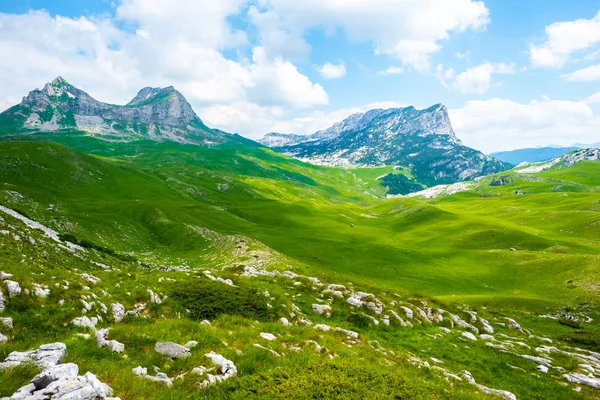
(206,299)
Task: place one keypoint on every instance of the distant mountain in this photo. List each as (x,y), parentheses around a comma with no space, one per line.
(587,146)
(538,154)
(420,139)
(155,113)
(564,161)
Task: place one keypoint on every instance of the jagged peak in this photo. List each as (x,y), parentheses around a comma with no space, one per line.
(59,80)
(149,94)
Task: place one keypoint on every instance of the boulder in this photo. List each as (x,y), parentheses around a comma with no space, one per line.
(322,309)
(47,355)
(14,289)
(3,338)
(118,311)
(172,350)
(322,327)
(284,321)
(268,336)
(2,301)
(140,371)
(61,371)
(160,377)
(5,275)
(226,368)
(84,322)
(469,336)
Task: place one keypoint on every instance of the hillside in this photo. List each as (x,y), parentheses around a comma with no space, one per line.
(422,140)
(171,217)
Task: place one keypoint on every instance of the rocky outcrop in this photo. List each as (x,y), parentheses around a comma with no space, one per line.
(45,356)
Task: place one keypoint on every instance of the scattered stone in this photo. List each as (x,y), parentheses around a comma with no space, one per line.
(322,327)
(3,338)
(113,345)
(13,288)
(191,344)
(538,360)
(408,312)
(276,354)
(84,322)
(268,336)
(61,371)
(199,371)
(139,371)
(542,368)
(360,299)
(2,301)
(160,377)
(205,322)
(90,278)
(501,393)
(487,338)
(226,367)
(5,275)
(154,298)
(118,311)
(469,335)
(40,291)
(322,309)
(172,350)
(512,324)
(284,321)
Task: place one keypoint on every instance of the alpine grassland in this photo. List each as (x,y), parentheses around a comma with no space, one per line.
(307,278)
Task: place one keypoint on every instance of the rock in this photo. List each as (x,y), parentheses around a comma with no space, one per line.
(61,371)
(172,350)
(335,293)
(583,379)
(101,341)
(469,336)
(2,301)
(408,312)
(47,355)
(501,393)
(140,371)
(13,288)
(199,371)
(268,336)
(205,322)
(90,278)
(3,338)
(118,311)
(191,344)
(512,324)
(360,299)
(40,291)
(226,368)
(486,326)
(322,309)
(284,322)
(160,377)
(4,275)
(84,322)
(154,298)
(322,327)
(349,334)
(386,320)
(542,368)
(487,338)
(538,360)
(335,287)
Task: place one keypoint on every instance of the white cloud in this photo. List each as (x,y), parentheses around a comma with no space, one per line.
(563,40)
(479,78)
(332,71)
(411,30)
(391,71)
(588,74)
(180,44)
(499,124)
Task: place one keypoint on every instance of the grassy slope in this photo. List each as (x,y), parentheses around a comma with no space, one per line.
(148,198)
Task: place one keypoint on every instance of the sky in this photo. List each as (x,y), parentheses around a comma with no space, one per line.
(512,73)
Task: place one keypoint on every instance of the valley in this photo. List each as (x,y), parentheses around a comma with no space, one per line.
(307,281)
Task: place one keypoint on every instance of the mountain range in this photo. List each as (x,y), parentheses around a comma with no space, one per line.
(422,140)
(154,113)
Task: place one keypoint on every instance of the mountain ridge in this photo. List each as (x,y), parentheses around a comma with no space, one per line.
(423,139)
(154,113)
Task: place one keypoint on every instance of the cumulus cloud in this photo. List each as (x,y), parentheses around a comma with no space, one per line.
(500,124)
(588,74)
(411,30)
(332,71)
(479,78)
(563,40)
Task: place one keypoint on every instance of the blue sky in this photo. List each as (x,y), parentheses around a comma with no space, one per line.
(512,73)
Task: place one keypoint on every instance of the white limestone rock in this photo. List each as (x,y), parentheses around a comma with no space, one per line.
(172,350)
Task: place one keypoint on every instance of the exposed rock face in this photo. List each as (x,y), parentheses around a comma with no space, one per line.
(154,113)
(421,139)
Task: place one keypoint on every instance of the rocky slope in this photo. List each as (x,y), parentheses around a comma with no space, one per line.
(564,161)
(155,113)
(421,139)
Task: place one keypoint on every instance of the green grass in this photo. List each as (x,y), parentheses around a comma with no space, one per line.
(234,205)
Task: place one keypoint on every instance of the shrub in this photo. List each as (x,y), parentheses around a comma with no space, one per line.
(207,299)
